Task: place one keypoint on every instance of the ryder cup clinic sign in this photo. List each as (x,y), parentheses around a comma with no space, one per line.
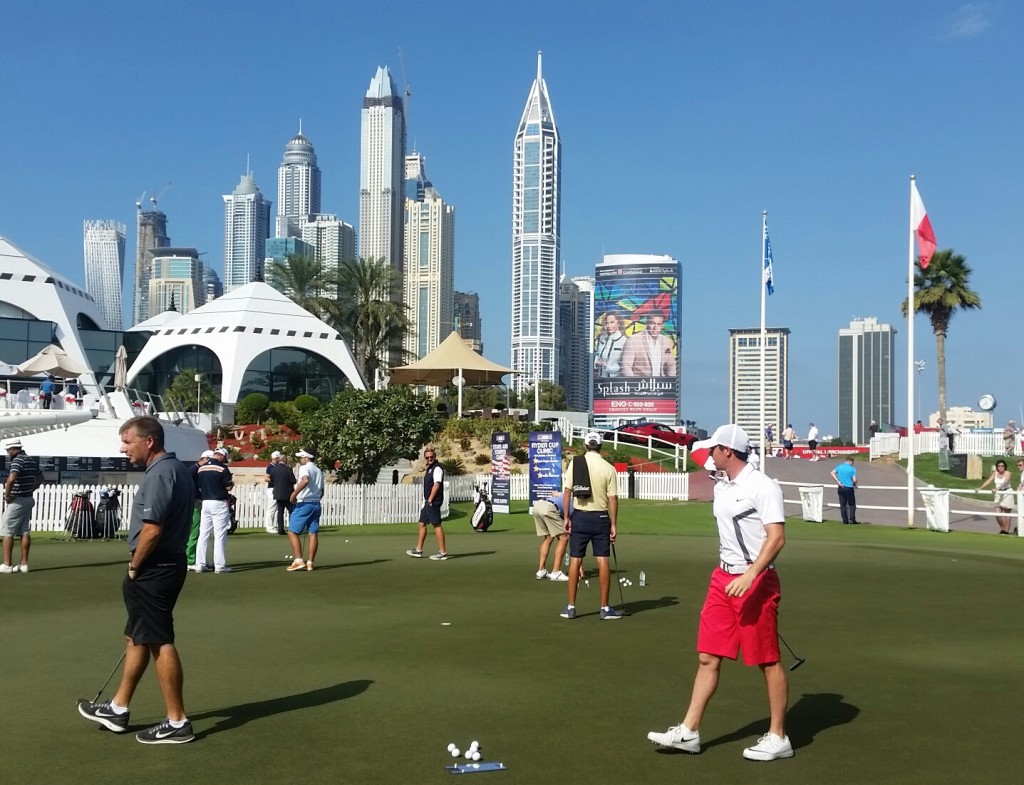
(636,337)
(545,464)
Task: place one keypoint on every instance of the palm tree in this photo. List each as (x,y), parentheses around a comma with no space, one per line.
(368,315)
(940,291)
(306,282)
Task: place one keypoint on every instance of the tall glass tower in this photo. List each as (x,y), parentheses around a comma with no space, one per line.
(104,268)
(298,186)
(381,170)
(246,226)
(536,230)
(150,233)
(866,369)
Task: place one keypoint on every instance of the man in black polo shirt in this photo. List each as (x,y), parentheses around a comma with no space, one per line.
(160,520)
(281,479)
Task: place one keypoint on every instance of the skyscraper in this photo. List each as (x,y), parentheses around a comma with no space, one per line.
(176,279)
(536,230)
(867,365)
(151,232)
(298,186)
(332,242)
(381,164)
(467,320)
(745,379)
(104,268)
(575,330)
(429,260)
(246,226)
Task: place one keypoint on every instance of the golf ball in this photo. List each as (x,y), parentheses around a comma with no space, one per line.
(469,754)
(456,752)
(450,747)
(476,756)
(475,746)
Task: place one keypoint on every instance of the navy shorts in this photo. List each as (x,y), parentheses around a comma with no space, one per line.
(431,513)
(151,597)
(590,527)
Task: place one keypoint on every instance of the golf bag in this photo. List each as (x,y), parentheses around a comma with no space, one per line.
(80,521)
(232,503)
(483,515)
(108,514)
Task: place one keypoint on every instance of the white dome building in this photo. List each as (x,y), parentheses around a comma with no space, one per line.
(253,339)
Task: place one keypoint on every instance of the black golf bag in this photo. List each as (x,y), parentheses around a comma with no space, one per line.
(483,515)
(108,514)
(80,521)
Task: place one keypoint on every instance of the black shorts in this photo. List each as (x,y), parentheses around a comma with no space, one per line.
(150,599)
(431,513)
(813,444)
(590,527)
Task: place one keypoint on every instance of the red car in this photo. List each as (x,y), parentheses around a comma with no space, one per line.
(660,434)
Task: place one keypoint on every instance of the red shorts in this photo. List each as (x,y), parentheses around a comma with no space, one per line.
(750,622)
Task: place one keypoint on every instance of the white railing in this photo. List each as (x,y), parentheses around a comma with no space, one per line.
(988,444)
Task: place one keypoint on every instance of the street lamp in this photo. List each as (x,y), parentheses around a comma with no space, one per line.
(199,390)
(919,364)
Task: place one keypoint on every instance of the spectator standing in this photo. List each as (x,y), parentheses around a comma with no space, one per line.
(433,499)
(812,441)
(872,430)
(159,526)
(214,484)
(22,480)
(741,608)
(1002,485)
(281,483)
(46,391)
(769,438)
(590,518)
(788,437)
(305,514)
(845,475)
(1009,437)
(547,518)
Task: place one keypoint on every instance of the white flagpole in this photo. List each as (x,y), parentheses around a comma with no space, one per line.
(910,363)
(764,287)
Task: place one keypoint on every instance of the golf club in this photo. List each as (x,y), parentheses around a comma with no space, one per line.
(798,661)
(120,660)
(622,600)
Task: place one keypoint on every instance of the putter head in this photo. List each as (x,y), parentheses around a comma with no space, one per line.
(797,663)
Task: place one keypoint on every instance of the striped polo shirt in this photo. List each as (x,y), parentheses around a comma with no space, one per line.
(26,470)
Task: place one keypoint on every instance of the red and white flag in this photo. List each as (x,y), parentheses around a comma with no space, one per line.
(921,227)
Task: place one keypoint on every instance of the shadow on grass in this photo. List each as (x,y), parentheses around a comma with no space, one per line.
(809,716)
(232,717)
(79,566)
(468,555)
(639,606)
(351,564)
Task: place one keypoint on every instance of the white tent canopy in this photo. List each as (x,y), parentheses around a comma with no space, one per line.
(52,360)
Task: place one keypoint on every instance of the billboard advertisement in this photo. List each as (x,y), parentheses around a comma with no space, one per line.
(501,470)
(636,338)
(545,464)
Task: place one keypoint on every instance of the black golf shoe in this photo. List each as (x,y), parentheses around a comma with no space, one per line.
(165,733)
(104,715)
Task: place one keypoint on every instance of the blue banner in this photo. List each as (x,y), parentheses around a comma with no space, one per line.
(545,464)
(501,471)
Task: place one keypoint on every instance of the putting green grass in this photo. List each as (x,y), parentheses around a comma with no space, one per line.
(365,669)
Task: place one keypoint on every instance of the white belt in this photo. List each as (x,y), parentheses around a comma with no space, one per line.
(739,569)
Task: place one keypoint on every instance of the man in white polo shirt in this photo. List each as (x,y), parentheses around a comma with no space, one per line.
(741,608)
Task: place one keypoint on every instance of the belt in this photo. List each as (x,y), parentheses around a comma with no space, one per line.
(738,569)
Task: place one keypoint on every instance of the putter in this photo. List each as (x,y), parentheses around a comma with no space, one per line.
(622,600)
(110,676)
(797,661)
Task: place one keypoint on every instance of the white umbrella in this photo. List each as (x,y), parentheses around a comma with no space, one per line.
(52,360)
(120,368)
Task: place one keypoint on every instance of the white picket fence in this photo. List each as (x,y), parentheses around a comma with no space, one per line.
(649,485)
(988,444)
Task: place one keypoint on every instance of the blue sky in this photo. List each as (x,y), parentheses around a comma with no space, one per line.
(680,121)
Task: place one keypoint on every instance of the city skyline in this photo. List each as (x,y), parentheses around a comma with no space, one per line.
(765,109)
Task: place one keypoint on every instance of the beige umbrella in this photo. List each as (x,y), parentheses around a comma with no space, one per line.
(120,368)
(52,360)
(452,358)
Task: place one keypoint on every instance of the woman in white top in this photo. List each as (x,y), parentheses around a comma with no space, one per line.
(608,353)
(1001,481)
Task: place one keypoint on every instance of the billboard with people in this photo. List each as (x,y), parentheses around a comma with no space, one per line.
(636,338)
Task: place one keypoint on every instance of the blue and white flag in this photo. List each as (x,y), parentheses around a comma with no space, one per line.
(769,275)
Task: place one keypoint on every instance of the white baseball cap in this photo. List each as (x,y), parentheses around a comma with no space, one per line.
(12,444)
(731,436)
(207,454)
(304,454)
(275,454)
(592,438)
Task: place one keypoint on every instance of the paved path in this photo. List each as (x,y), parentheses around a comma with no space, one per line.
(892,492)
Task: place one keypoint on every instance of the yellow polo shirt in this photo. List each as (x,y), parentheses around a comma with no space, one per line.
(604,482)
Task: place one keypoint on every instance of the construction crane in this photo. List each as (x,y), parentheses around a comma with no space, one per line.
(157,196)
(138,203)
(408,90)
